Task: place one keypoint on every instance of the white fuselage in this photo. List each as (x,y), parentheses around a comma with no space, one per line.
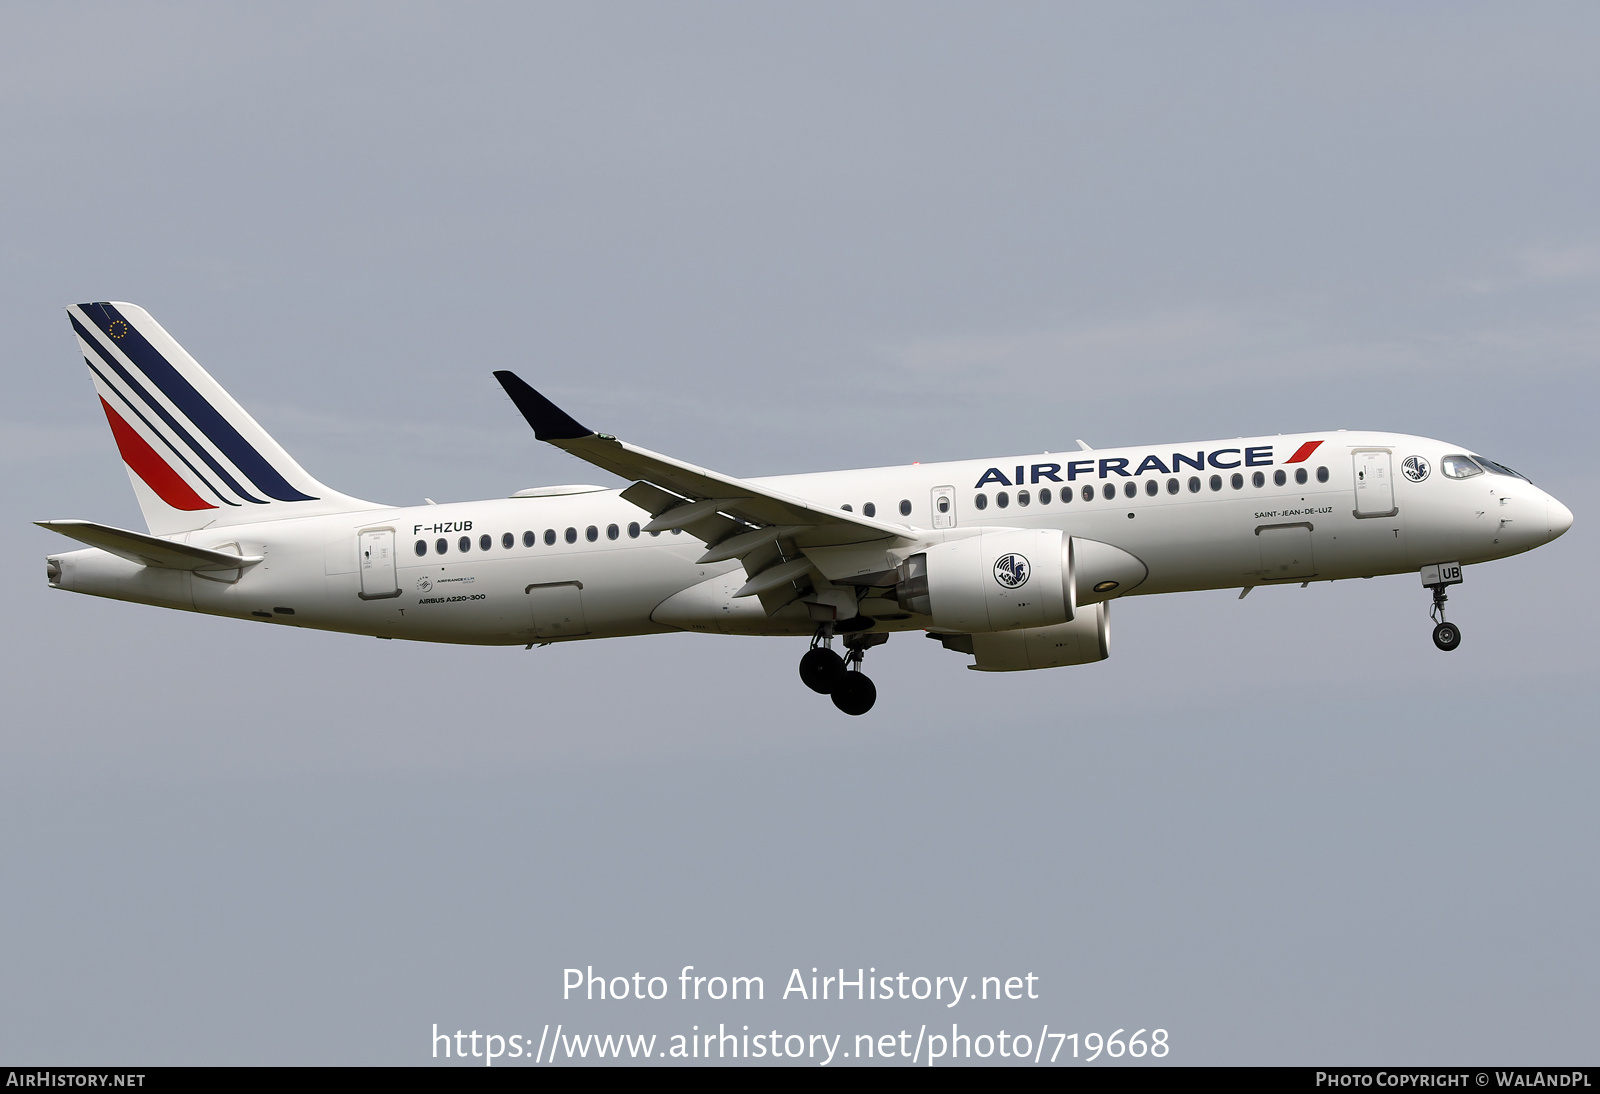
(603,578)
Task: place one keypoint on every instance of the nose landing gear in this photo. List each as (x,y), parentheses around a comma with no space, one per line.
(824,671)
(1447,636)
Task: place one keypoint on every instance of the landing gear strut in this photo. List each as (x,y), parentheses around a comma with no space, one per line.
(822,670)
(1447,636)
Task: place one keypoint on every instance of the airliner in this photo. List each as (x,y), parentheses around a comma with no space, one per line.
(1013,562)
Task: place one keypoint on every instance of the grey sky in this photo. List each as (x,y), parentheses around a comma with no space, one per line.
(785,238)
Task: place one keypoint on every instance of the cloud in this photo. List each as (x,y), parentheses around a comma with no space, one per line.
(1560,263)
(1538,265)
(1200,348)
(23,444)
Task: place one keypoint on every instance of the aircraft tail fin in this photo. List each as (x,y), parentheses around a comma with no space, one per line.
(195,457)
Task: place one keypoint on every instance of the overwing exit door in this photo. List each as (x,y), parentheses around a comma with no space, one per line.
(377,562)
(944,506)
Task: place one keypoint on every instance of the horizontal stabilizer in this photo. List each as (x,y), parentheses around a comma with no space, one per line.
(148,550)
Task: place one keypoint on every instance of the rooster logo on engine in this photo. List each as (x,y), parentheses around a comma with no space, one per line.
(1011,571)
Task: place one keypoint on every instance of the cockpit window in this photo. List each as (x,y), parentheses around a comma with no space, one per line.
(1500,469)
(1459,467)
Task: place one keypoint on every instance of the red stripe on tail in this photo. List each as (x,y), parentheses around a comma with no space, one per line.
(1303,452)
(147,463)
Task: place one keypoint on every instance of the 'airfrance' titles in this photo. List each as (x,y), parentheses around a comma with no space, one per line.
(1224,459)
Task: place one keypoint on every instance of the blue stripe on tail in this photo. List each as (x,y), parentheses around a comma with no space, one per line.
(195,407)
(172,423)
(133,407)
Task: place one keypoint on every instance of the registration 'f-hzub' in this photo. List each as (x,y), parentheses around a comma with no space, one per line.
(1012,561)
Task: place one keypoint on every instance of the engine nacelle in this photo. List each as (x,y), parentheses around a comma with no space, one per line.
(1082,641)
(1013,579)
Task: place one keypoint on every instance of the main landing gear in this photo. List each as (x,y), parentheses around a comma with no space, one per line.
(824,671)
(1447,636)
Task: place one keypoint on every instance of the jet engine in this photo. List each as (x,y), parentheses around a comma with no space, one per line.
(1013,579)
(1082,640)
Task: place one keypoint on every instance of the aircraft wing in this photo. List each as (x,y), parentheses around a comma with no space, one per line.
(772,533)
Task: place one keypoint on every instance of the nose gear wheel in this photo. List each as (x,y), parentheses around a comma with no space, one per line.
(1447,636)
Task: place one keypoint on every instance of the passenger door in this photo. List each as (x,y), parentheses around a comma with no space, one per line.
(1374,484)
(375,556)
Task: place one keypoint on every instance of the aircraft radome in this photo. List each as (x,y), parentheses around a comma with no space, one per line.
(1013,561)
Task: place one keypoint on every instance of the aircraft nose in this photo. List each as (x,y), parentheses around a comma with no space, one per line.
(1559,515)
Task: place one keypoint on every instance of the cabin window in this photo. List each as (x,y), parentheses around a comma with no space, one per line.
(1258,480)
(905,508)
(847,508)
(633,530)
(572,535)
(1131,489)
(1279,478)
(1300,475)
(1044,496)
(529,539)
(465,544)
(549,537)
(1172,486)
(508,541)
(612,531)
(422,547)
(1152,487)
(591,533)
(869,510)
(1216,482)
(441,546)
(1088,493)
(1194,484)
(1109,490)
(1237,481)
(981,501)
(1322,474)
(1002,499)
(485,542)
(1023,498)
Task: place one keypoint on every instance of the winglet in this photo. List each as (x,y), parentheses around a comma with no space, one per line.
(550,422)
